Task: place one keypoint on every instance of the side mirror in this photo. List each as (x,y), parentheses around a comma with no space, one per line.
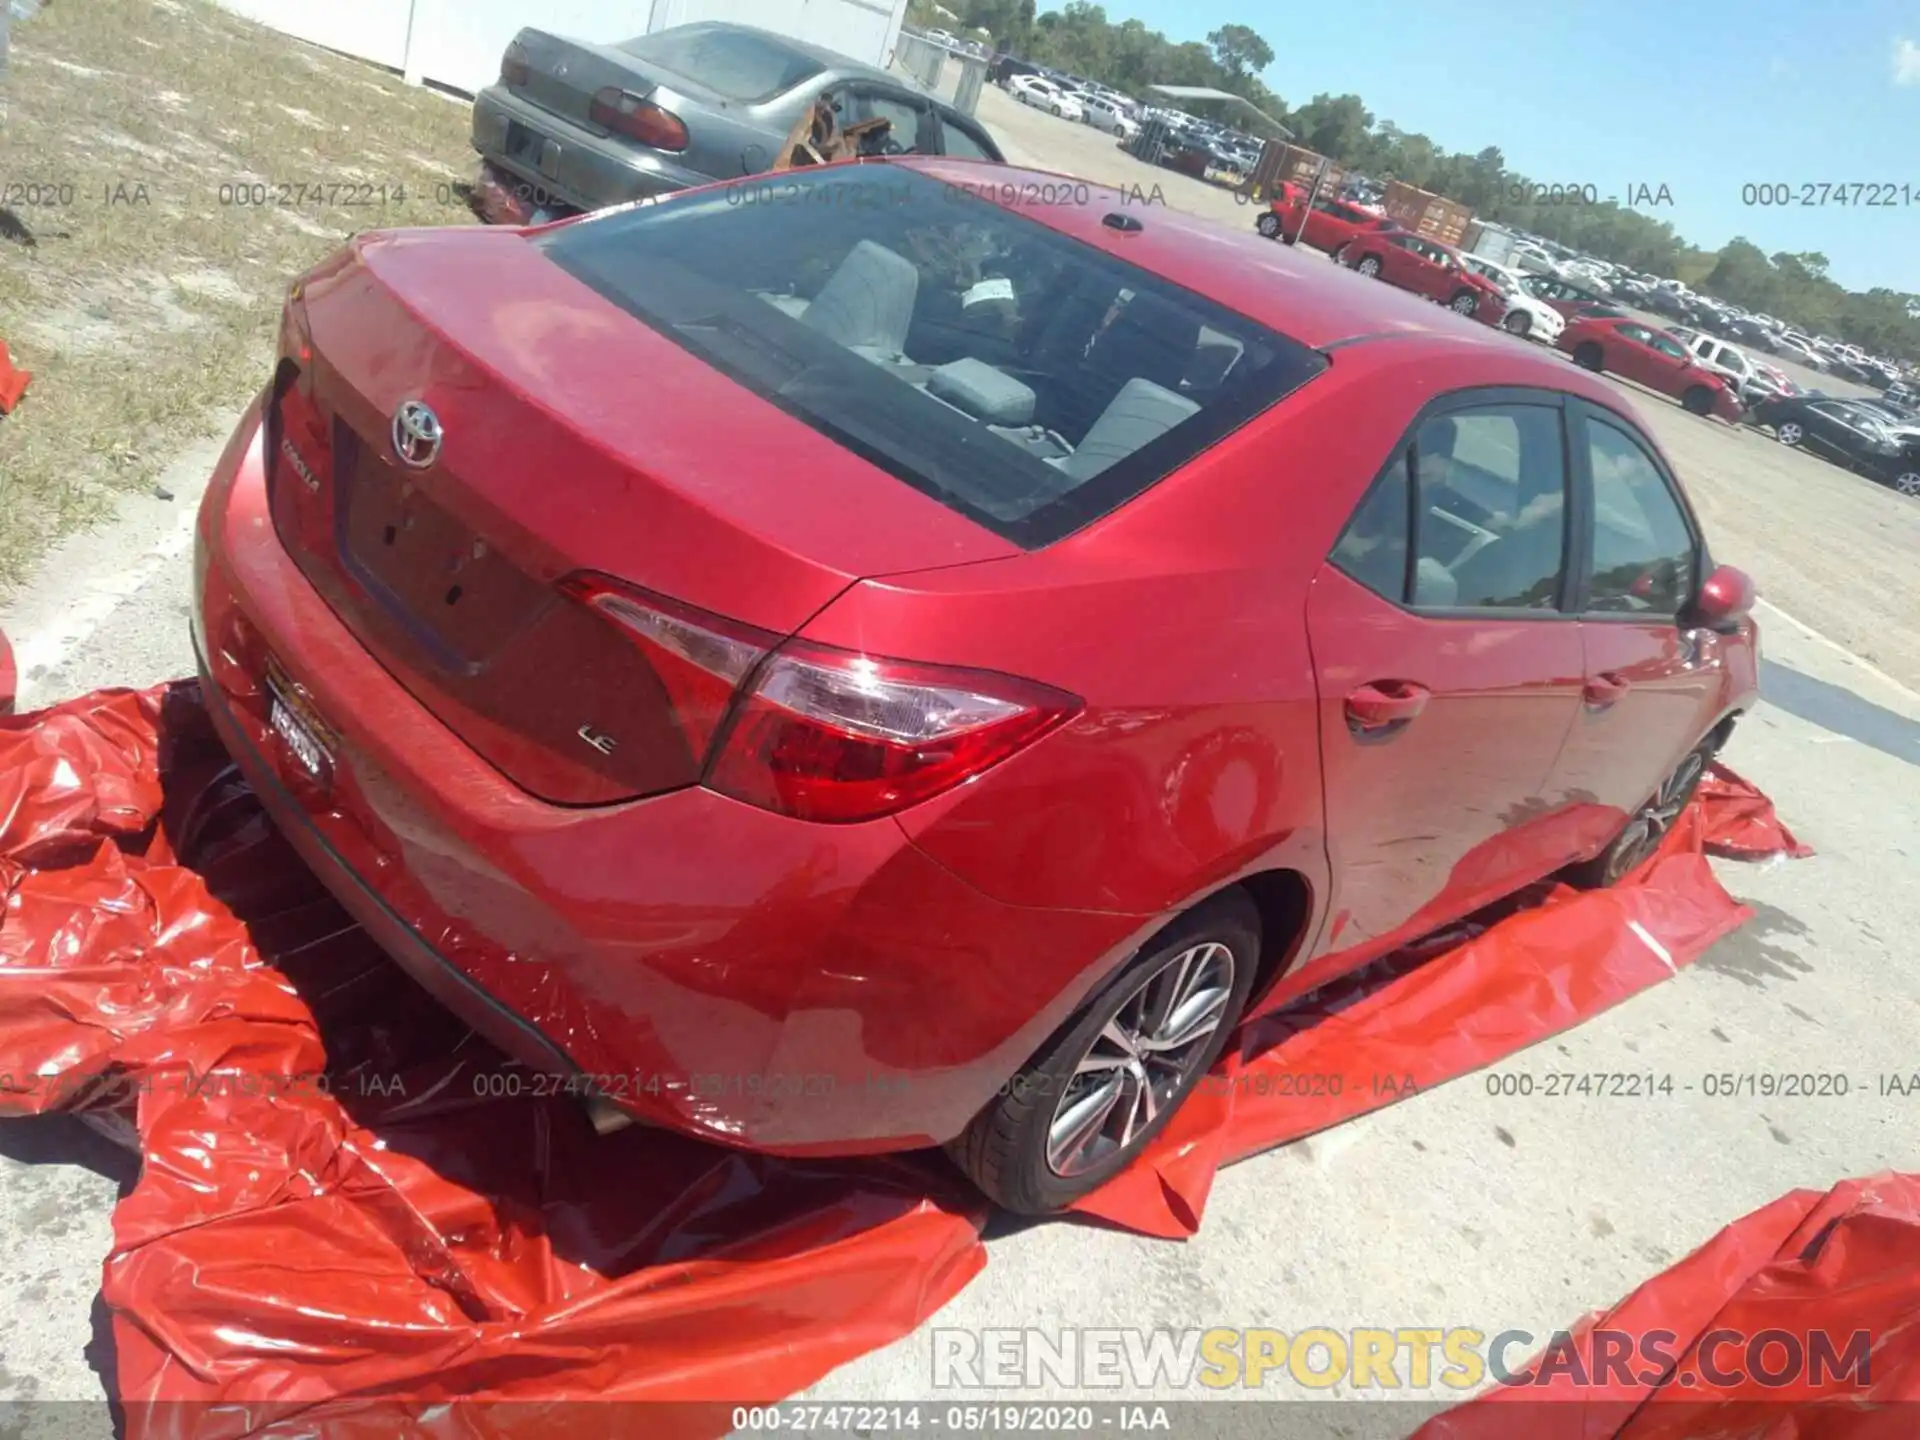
(1725,599)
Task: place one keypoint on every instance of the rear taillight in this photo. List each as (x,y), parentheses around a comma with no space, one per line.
(700,658)
(628,114)
(515,69)
(834,735)
(820,733)
(297,431)
(296,341)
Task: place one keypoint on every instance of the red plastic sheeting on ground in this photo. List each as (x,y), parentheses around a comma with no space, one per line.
(332,1220)
(307,1227)
(1391,1030)
(1817,1270)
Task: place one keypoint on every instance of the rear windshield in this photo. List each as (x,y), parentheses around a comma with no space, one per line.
(1029,381)
(735,63)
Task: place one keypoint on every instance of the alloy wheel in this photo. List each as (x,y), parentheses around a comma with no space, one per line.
(1908,483)
(1368,267)
(1788,434)
(1647,829)
(1464,305)
(1141,1060)
(1519,323)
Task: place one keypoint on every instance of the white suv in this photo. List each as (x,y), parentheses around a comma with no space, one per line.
(1742,377)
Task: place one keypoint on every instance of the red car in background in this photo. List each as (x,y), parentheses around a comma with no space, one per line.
(1652,358)
(1429,268)
(1331,223)
(812,717)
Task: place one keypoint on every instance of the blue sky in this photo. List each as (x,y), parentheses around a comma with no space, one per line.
(1703,97)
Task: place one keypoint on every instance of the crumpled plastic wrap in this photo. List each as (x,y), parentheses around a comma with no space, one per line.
(332,1225)
(1839,1265)
(1416,1019)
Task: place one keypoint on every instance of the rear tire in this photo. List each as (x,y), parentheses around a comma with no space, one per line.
(1697,401)
(1268,225)
(1635,843)
(1907,482)
(1464,303)
(1020,1149)
(1588,356)
(1369,266)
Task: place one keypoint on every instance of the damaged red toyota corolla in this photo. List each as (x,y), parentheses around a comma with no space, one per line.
(855,662)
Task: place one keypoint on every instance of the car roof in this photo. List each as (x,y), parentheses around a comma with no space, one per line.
(1293,290)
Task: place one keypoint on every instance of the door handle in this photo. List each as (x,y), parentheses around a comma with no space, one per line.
(1605,688)
(1385,705)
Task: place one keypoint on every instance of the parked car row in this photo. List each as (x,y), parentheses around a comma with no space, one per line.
(1375,245)
(1592,279)
(1879,441)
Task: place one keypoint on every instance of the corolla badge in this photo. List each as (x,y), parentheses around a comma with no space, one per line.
(416,435)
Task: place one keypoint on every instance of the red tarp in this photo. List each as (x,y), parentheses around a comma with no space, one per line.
(1809,1269)
(309,1231)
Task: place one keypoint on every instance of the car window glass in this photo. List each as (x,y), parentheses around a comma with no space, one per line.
(739,64)
(1666,346)
(1643,552)
(902,132)
(1491,486)
(959,141)
(1373,550)
(1026,379)
(1634,332)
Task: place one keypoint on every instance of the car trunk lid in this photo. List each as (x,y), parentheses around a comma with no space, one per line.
(573,439)
(562,76)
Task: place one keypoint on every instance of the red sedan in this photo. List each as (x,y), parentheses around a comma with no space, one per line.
(1330,222)
(1429,268)
(1652,358)
(824,701)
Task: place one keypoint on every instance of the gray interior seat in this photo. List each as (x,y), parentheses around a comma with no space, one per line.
(1141,413)
(1212,359)
(867,304)
(790,305)
(1513,566)
(982,391)
(1433,584)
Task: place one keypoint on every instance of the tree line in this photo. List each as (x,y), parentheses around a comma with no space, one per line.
(1129,57)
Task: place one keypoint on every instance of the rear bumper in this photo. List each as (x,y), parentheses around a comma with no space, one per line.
(711,967)
(590,171)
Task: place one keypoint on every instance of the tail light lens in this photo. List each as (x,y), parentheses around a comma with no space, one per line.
(515,68)
(625,113)
(819,733)
(836,736)
(701,659)
(296,432)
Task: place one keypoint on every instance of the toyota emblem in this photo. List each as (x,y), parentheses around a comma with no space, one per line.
(416,435)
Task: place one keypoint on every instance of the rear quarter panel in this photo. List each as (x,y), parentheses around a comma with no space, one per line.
(1180,619)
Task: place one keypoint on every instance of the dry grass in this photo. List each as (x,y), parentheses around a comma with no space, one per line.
(146,304)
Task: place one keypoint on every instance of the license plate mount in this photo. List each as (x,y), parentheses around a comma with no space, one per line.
(304,737)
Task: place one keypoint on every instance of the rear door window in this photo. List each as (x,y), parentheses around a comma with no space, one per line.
(1029,381)
(1478,503)
(1643,549)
